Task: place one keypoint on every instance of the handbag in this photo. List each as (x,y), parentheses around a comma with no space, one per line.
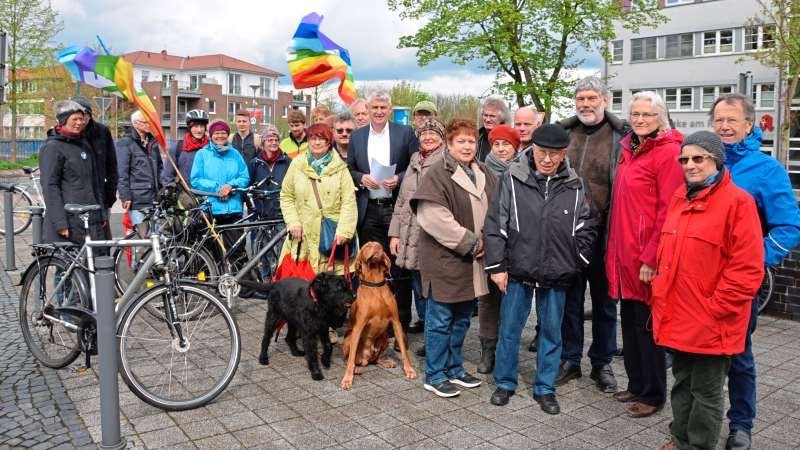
(327,232)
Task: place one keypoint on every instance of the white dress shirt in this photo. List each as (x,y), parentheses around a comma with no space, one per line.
(379,149)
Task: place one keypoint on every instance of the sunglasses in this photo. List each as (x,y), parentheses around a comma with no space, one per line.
(697,159)
(343,130)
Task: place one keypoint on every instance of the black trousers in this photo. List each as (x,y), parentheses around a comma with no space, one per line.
(376,228)
(644,360)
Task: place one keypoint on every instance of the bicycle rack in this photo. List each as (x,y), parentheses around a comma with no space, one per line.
(107,354)
(8,204)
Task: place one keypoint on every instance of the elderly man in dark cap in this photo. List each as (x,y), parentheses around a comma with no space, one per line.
(99,139)
(538,233)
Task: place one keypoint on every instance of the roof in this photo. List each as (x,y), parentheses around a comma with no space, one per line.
(164,60)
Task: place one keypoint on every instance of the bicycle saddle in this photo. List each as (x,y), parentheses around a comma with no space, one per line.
(81,209)
(30,170)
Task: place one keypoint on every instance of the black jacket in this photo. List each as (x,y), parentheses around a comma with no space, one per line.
(483,147)
(540,230)
(102,144)
(68,175)
(139,167)
(248,147)
(269,208)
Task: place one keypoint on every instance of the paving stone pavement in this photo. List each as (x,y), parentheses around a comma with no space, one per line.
(279,406)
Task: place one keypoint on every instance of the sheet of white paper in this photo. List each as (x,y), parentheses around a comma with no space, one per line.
(381,173)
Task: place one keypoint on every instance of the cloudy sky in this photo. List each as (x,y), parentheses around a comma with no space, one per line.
(259,32)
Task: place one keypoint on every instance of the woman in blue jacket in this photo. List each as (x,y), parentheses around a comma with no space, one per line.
(218,169)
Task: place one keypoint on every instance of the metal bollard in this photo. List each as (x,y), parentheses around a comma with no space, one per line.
(36,223)
(107,354)
(8,204)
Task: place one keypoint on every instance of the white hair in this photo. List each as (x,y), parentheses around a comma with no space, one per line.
(658,104)
(495,102)
(530,108)
(136,116)
(592,84)
(380,96)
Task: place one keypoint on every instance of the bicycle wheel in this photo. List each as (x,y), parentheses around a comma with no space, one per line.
(766,290)
(21,204)
(51,340)
(161,372)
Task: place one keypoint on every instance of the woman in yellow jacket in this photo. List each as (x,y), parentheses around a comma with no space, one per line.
(337,194)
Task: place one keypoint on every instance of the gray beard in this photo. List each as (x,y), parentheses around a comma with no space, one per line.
(598,120)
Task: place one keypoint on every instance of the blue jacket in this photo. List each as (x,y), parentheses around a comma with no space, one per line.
(212,169)
(766,180)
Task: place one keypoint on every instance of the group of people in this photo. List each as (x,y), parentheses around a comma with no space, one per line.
(480,216)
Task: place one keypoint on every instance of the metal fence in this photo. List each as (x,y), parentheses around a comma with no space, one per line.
(25,148)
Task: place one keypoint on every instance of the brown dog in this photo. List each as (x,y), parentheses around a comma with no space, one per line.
(375,307)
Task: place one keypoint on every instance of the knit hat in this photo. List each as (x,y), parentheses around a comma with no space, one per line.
(709,142)
(270,130)
(218,125)
(425,105)
(65,108)
(431,124)
(551,136)
(504,133)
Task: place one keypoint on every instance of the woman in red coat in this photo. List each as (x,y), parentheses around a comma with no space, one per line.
(647,176)
(710,265)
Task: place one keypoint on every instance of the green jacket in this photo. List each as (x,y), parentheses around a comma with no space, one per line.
(299,206)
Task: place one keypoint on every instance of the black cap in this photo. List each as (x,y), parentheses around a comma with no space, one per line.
(551,136)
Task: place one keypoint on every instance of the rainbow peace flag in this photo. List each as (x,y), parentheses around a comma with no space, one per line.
(314,59)
(112,74)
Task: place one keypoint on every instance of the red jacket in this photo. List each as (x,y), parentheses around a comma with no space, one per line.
(643,187)
(710,265)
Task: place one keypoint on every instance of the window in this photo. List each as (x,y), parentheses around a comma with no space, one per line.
(196,80)
(285,111)
(764,95)
(669,3)
(266,87)
(616,101)
(212,106)
(680,45)
(234,84)
(145,75)
(759,37)
(166,78)
(232,108)
(644,49)
(616,52)
(266,112)
(710,94)
(678,99)
(720,41)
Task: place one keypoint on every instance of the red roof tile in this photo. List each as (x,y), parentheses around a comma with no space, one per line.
(217,61)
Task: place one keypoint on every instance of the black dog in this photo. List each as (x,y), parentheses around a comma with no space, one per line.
(309,309)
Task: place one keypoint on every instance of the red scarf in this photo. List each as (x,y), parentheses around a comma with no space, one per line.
(191,144)
(271,158)
(68,134)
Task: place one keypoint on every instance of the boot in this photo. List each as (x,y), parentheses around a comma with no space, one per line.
(488,346)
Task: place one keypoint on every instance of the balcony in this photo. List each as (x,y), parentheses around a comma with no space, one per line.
(184,90)
(299,100)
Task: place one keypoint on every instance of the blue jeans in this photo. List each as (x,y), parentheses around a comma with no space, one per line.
(446,327)
(419,300)
(514,310)
(742,381)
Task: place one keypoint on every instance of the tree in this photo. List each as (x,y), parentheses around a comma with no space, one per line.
(31,25)
(406,93)
(780,20)
(531,44)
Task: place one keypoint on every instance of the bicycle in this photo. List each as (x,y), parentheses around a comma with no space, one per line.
(22,202)
(767,289)
(172,359)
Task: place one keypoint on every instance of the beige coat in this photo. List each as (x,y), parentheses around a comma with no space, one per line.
(404,223)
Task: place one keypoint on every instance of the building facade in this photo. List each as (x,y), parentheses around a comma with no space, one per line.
(693,58)
(219,84)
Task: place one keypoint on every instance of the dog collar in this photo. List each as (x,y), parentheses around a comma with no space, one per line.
(373,284)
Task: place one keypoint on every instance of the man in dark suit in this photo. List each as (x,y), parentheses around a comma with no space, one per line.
(387,144)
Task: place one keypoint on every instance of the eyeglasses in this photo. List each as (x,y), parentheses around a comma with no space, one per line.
(697,159)
(637,115)
(344,130)
(552,155)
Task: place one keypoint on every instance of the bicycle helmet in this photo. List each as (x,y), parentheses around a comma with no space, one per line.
(196,115)
(65,108)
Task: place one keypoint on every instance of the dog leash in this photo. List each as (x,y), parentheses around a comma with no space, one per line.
(331,265)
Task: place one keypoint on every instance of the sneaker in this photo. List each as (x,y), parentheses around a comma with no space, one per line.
(466,380)
(333,336)
(443,389)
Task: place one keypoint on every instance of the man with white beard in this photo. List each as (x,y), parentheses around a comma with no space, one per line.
(593,152)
